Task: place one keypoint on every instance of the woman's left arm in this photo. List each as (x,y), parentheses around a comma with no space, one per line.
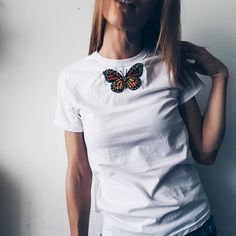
(206,132)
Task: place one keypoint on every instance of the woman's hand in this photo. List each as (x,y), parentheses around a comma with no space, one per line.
(206,131)
(204,62)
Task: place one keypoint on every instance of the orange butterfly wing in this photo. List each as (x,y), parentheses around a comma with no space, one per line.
(117,80)
(133,80)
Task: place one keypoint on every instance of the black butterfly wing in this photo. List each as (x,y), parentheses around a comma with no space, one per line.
(117,80)
(133,80)
(111,75)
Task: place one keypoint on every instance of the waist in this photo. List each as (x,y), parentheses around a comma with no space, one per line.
(145,195)
(172,224)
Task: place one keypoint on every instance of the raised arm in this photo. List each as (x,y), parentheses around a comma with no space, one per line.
(78,183)
(206,132)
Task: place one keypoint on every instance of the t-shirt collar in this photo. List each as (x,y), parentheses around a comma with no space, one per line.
(96,55)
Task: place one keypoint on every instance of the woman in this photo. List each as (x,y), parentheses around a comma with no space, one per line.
(131,120)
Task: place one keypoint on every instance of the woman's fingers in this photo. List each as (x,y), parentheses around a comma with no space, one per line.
(195,56)
(201,60)
(186,46)
(195,61)
(199,68)
(189,47)
(190,60)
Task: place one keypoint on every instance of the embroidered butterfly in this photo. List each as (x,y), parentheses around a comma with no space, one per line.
(130,80)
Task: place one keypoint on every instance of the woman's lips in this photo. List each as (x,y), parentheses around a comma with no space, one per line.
(126,3)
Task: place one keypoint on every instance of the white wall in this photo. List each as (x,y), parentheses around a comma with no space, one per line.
(37,38)
(212,23)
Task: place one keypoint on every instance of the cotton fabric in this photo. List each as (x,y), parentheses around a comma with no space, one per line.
(207,229)
(137,143)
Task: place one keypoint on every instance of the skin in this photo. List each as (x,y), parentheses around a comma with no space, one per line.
(125,26)
(205,132)
(78,183)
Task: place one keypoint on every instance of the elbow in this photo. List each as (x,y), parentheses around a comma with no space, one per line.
(206,158)
(208,161)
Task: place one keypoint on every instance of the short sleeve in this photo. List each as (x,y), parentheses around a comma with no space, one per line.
(66,117)
(193,85)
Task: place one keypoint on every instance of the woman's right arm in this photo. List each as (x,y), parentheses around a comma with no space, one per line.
(78,183)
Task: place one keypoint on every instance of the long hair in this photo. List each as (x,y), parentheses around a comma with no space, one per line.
(162,35)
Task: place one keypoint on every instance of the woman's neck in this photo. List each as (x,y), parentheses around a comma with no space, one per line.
(118,44)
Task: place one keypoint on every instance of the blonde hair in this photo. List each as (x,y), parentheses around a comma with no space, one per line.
(162,35)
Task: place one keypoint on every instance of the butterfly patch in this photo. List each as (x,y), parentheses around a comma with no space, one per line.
(130,80)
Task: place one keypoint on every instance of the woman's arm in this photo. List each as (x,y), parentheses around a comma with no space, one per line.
(78,183)
(206,132)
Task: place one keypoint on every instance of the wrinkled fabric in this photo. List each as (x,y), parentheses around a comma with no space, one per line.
(145,181)
(207,229)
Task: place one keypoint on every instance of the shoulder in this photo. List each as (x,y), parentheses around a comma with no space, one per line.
(80,65)
(77,71)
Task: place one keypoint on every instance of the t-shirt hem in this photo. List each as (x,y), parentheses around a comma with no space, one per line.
(195,226)
(187,96)
(68,128)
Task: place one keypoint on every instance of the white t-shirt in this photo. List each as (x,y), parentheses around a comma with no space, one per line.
(137,144)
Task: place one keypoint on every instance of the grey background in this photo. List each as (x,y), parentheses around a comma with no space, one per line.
(37,39)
